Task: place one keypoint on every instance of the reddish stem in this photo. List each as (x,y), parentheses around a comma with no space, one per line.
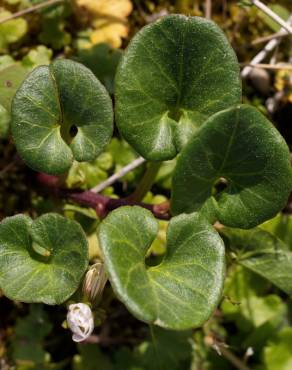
(102,204)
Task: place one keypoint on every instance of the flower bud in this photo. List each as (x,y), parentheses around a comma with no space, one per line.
(80,321)
(94,282)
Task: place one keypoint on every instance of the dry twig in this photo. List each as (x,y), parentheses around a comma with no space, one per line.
(123,171)
(208,9)
(271,45)
(30,10)
(279,66)
(272,15)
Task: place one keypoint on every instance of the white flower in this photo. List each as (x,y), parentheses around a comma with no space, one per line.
(80,321)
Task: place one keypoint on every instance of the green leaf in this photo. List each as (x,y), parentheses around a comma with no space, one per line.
(53,24)
(30,333)
(264,254)
(242,146)
(61,112)
(11,76)
(11,31)
(175,73)
(243,291)
(169,350)
(164,176)
(103,61)
(259,310)
(6,61)
(277,355)
(41,260)
(183,290)
(281,11)
(85,175)
(39,56)
(165,349)
(91,358)
(4,122)
(281,227)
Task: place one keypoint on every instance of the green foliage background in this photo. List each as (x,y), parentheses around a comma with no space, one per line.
(254,319)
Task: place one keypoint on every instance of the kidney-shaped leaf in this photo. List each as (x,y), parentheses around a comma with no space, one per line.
(61,112)
(243,147)
(174,74)
(41,260)
(183,290)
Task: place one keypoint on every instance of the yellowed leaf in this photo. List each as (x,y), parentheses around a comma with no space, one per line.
(111,34)
(108,18)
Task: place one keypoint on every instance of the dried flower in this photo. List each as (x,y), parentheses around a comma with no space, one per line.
(94,282)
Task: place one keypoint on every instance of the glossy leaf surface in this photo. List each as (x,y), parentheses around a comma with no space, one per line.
(243,147)
(41,260)
(61,112)
(264,254)
(175,73)
(183,290)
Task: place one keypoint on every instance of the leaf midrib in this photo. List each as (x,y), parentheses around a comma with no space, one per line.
(181,70)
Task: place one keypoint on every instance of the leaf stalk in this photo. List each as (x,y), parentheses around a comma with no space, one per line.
(102,204)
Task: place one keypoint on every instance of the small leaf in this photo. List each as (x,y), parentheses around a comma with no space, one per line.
(85,175)
(39,56)
(277,355)
(183,290)
(175,73)
(245,303)
(41,260)
(11,31)
(11,76)
(243,147)
(6,61)
(61,112)
(264,254)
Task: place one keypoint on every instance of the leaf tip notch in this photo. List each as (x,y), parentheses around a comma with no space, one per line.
(175,73)
(243,147)
(28,273)
(60,113)
(184,289)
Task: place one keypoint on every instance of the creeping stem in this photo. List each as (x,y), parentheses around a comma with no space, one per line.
(102,204)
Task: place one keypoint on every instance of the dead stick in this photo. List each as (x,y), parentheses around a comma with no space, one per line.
(30,10)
